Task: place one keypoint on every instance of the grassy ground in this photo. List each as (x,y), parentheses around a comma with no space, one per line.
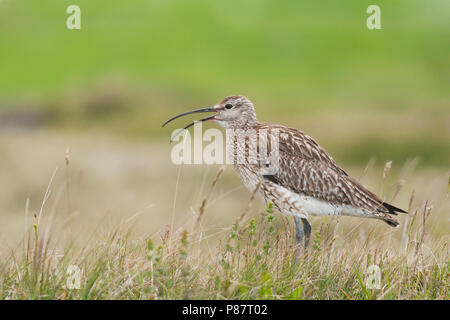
(140,231)
(255,260)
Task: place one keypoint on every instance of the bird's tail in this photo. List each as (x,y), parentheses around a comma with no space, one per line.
(391,210)
(390,221)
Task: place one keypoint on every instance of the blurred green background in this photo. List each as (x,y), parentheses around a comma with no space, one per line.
(312,65)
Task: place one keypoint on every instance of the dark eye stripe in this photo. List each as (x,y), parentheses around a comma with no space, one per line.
(228,106)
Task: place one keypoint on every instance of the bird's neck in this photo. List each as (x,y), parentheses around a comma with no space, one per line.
(241,125)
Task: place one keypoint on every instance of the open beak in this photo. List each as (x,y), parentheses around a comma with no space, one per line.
(210,109)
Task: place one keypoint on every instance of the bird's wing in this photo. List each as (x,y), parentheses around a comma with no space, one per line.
(306,168)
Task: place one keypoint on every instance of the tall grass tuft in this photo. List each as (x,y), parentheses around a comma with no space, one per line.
(255,258)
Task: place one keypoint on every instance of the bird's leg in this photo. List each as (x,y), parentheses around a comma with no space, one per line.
(299,233)
(302,231)
(307,231)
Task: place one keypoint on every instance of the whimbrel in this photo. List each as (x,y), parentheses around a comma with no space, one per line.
(306,180)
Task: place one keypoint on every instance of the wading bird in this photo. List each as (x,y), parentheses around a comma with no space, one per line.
(306,180)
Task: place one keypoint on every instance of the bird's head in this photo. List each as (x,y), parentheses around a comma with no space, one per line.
(235,112)
(231,112)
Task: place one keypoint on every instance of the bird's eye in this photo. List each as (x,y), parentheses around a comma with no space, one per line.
(228,106)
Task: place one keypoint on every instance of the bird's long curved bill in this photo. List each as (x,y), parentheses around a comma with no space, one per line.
(210,109)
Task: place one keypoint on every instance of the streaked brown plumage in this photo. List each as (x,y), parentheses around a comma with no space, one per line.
(302,158)
(307,180)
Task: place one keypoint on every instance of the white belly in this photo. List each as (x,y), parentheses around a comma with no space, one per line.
(294,204)
(291,203)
